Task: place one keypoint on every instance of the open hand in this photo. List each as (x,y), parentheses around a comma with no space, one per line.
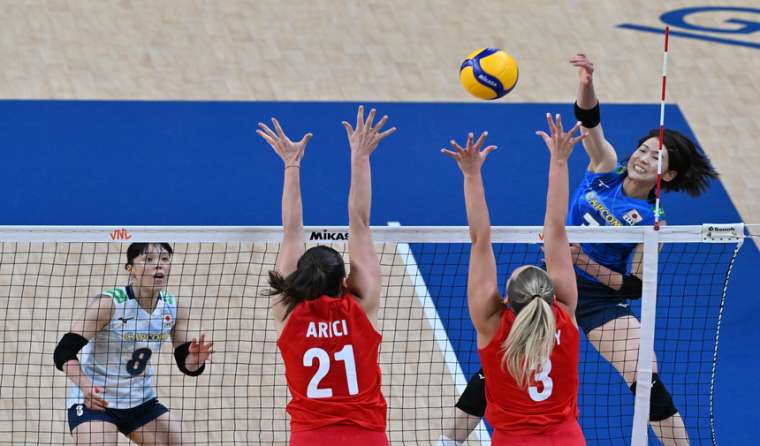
(470,158)
(290,152)
(199,351)
(364,138)
(560,143)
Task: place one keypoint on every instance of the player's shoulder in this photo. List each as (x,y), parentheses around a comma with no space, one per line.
(608,177)
(116,296)
(168,298)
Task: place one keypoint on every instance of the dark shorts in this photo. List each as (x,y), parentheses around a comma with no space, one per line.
(473,399)
(126,420)
(598,304)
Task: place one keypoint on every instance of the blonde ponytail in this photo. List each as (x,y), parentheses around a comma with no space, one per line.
(531,339)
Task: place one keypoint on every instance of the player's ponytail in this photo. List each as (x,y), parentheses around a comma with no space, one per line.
(320,271)
(531,338)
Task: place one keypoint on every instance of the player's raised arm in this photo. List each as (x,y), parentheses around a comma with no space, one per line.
(365,278)
(96,316)
(559,263)
(292,209)
(602,156)
(483,299)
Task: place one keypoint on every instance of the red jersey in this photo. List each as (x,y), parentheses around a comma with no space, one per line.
(552,393)
(330,351)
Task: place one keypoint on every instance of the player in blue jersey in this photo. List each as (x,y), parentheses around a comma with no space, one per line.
(107,353)
(621,193)
(612,193)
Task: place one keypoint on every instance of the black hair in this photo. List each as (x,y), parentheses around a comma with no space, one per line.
(138,249)
(320,271)
(693,167)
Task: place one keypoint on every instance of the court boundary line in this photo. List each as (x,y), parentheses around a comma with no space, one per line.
(439,331)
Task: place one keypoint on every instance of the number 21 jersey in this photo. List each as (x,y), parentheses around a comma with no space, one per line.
(330,351)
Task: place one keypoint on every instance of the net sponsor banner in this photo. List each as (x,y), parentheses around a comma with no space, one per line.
(729,233)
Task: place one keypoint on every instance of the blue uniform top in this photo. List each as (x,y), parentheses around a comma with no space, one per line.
(600,201)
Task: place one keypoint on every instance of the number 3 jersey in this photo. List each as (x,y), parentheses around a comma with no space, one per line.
(330,351)
(600,201)
(118,357)
(552,393)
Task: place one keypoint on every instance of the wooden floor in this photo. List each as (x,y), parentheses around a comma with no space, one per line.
(390,50)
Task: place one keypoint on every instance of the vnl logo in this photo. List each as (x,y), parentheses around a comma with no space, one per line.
(737,27)
(120,234)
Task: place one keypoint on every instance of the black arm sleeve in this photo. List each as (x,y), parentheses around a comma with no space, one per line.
(68,348)
(589,118)
(180,355)
(631,288)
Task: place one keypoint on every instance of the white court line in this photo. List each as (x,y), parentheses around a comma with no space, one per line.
(439,331)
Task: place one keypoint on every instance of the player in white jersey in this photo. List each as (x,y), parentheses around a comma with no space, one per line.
(107,353)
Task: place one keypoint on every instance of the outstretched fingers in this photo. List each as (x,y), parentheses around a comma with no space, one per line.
(481,140)
(380,123)
(349,129)
(265,129)
(488,150)
(457,147)
(266,137)
(277,127)
(370,118)
(359,118)
(550,121)
(383,135)
(450,154)
(305,140)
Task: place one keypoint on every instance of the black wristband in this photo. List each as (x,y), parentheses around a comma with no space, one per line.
(180,355)
(68,348)
(589,118)
(631,288)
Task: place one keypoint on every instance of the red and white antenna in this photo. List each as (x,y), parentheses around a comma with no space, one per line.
(662,127)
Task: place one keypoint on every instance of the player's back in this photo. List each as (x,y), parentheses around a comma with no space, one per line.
(552,394)
(330,351)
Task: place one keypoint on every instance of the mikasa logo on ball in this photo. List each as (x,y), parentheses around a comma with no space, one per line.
(484,78)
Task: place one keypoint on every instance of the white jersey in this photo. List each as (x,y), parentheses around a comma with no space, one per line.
(118,357)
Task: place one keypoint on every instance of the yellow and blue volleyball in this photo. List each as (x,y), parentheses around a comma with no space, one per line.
(488,73)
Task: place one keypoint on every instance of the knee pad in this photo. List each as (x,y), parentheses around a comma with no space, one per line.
(661,405)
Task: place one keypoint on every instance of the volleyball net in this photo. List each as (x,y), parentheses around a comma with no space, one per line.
(49,274)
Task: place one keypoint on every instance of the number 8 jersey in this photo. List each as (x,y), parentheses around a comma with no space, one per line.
(118,357)
(330,351)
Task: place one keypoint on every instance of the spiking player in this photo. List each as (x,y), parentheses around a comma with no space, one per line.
(327,322)
(613,194)
(107,355)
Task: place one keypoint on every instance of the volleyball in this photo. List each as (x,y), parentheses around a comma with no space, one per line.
(488,73)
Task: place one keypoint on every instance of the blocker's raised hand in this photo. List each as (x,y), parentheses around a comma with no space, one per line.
(470,158)
(365,137)
(290,152)
(560,143)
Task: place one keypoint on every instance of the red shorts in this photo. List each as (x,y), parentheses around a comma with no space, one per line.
(338,435)
(567,433)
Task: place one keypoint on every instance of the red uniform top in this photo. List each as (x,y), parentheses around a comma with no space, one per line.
(552,393)
(330,351)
